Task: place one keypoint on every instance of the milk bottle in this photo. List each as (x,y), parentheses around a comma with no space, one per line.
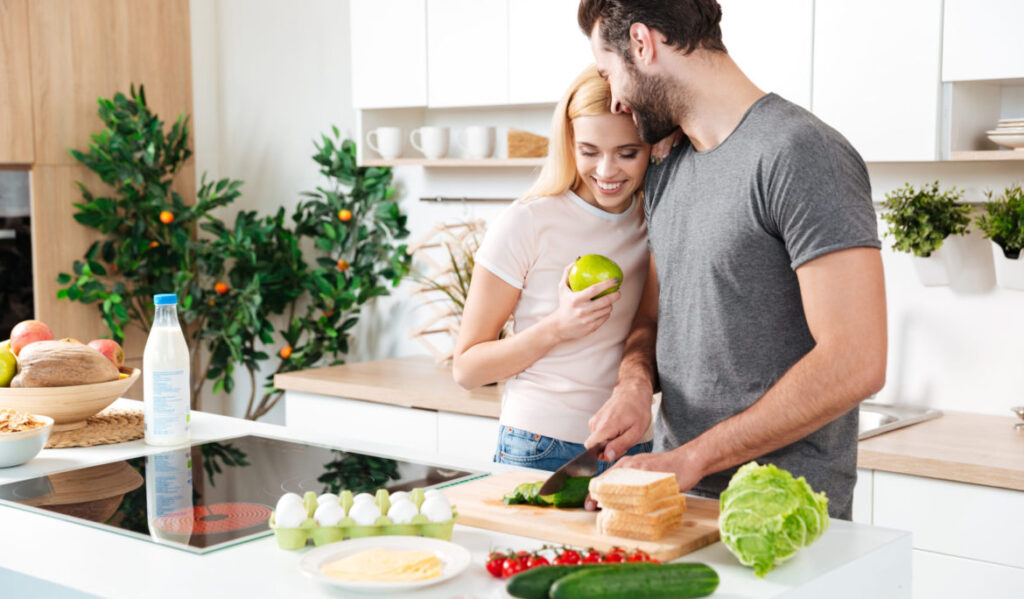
(165,372)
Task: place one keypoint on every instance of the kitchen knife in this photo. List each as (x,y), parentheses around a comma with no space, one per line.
(584,464)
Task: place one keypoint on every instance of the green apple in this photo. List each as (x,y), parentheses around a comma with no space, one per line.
(8,367)
(592,269)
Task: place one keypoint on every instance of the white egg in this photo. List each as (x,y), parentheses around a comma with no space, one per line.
(328,514)
(288,498)
(397,496)
(363,497)
(402,511)
(436,509)
(290,515)
(365,513)
(327,498)
(434,493)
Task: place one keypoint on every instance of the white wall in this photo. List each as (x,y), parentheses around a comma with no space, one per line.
(270,76)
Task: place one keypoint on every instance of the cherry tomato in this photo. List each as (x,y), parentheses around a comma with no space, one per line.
(536,560)
(495,561)
(638,557)
(614,558)
(592,557)
(510,568)
(522,557)
(570,557)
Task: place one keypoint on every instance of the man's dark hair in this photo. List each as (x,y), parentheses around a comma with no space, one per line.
(686,24)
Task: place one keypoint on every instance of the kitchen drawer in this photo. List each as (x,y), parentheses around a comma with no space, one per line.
(972,521)
(471,437)
(363,420)
(862,497)
(938,576)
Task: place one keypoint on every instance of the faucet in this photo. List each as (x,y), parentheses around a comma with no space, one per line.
(1019,411)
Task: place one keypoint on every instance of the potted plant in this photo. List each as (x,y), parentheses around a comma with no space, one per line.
(920,220)
(1003,223)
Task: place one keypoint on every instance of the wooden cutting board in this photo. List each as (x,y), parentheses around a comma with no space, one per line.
(479,504)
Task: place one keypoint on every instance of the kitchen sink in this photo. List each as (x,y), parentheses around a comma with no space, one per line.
(877,418)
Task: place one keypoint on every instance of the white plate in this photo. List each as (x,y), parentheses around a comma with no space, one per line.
(1009,141)
(454,559)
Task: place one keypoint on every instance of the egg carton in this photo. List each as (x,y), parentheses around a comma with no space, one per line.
(419,526)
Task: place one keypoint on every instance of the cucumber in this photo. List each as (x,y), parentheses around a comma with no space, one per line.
(666,581)
(535,583)
(573,493)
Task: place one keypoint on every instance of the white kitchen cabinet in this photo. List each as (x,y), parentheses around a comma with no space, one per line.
(389,53)
(970,521)
(876,75)
(863,499)
(409,428)
(771,41)
(982,40)
(467,52)
(546,49)
(938,576)
(467,436)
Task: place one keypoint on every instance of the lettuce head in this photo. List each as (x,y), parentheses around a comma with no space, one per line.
(767,515)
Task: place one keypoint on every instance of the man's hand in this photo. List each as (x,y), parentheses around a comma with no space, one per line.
(680,461)
(622,420)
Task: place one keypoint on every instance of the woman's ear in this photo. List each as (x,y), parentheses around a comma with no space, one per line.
(641,44)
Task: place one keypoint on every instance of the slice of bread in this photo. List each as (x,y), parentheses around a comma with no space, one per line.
(638,505)
(647,527)
(633,490)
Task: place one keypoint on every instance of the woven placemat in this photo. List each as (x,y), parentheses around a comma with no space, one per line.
(106,428)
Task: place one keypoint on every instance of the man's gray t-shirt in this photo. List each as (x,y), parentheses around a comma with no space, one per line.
(728,227)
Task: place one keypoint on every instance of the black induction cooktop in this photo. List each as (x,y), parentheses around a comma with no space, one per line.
(211,495)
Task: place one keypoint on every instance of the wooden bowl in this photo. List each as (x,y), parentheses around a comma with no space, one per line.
(68,406)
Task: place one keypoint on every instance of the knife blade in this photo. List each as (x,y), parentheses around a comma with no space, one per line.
(584,464)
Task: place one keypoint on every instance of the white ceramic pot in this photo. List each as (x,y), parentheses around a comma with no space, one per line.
(1009,273)
(936,269)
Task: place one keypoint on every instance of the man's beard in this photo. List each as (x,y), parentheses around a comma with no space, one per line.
(653,107)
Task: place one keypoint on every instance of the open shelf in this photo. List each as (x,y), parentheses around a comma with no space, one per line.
(457,162)
(974,155)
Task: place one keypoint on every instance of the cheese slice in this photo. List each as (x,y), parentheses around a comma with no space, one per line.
(385,565)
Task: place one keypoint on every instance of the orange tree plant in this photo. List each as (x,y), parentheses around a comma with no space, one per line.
(234,281)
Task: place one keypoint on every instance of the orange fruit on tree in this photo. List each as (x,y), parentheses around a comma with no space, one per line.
(344,215)
(153,244)
(221,287)
(285,352)
(343,265)
(167,217)
(212,303)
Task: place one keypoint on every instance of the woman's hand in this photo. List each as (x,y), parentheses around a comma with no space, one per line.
(578,313)
(661,150)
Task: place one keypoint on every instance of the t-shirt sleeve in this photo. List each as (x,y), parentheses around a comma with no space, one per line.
(818,197)
(508,246)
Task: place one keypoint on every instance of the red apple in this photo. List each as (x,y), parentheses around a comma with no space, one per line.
(29,331)
(109,348)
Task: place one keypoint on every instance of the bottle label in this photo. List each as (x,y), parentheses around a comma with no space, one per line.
(169,412)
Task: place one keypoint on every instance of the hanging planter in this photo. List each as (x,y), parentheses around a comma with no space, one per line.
(920,221)
(1003,223)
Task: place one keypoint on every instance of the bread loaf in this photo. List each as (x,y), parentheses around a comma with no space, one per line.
(61,364)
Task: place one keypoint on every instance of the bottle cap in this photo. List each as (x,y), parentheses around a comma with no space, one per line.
(165,299)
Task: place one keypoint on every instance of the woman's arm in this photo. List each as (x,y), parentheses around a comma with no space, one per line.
(481,358)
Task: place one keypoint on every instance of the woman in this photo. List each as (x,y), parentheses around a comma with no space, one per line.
(563,359)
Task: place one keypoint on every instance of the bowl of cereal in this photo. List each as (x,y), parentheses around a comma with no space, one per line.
(22,436)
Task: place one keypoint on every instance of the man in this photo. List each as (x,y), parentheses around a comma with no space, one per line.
(765,302)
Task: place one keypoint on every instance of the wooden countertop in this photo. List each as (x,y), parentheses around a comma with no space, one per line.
(970,448)
(414,381)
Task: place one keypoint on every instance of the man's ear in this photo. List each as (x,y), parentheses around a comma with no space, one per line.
(641,44)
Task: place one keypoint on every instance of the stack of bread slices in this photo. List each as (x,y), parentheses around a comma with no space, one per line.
(637,504)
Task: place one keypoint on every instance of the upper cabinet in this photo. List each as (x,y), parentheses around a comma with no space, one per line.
(389,53)
(772,40)
(467,52)
(547,50)
(982,40)
(16,145)
(876,75)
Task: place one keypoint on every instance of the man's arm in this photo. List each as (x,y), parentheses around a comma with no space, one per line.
(625,417)
(843,296)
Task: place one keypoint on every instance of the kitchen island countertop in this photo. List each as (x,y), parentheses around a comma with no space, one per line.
(45,556)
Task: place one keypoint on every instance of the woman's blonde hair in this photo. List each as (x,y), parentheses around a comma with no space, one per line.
(589,95)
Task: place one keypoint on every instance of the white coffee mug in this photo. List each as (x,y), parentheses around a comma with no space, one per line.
(433,141)
(476,142)
(386,141)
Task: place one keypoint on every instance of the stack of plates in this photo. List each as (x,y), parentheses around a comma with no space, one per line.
(1009,133)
